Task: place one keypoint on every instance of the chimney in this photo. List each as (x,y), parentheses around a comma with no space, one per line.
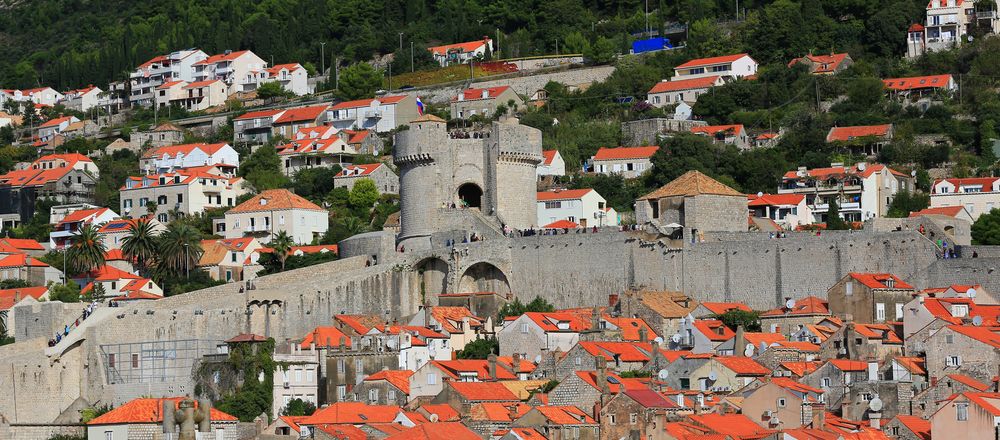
(739,341)
(492,365)
(461,96)
(342,344)
(595,318)
(818,415)
(427,315)
(512,412)
(515,362)
(602,376)
(875,419)
(643,336)
(612,299)
(17,296)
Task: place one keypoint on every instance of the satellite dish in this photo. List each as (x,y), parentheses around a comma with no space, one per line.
(862,166)
(433,418)
(712,376)
(748,351)
(977,321)
(760,194)
(775,421)
(875,405)
(790,304)
(913,173)
(538,358)
(663,374)
(658,340)
(971,292)
(676,338)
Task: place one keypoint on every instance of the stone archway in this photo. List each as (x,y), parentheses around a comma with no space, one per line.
(433,276)
(484,277)
(471,195)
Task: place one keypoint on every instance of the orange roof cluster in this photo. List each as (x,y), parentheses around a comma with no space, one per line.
(16,245)
(840,172)
(620,351)
(736,426)
(986,335)
(436,431)
(620,153)
(714,330)
(483,391)
(450,317)
(880,280)
(629,327)
(498,411)
(325,337)
(918,82)
(743,366)
(809,305)
(149,411)
(358,170)
(793,385)
(397,378)
(774,199)
(716,130)
(352,413)
(559,321)
(801,368)
(684,84)
(305,146)
(824,63)
(44,170)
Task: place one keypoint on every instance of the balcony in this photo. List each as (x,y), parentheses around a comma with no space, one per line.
(986,15)
(373,114)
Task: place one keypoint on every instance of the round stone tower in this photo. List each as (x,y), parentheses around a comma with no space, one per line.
(416,154)
(514,152)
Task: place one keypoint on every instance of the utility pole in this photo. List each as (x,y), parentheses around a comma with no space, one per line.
(336,77)
(646,16)
(411,56)
(322,58)
(400,41)
(497,44)
(390,76)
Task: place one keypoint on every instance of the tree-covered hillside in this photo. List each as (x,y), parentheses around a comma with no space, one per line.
(69,43)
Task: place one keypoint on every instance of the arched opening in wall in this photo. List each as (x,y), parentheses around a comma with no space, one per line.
(433,273)
(470,195)
(950,231)
(484,277)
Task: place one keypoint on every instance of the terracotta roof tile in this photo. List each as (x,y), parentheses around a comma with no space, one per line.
(436,431)
(397,378)
(148,411)
(483,391)
(712,61)
(273,200)
(844,134)
(684,84)
(692,183)
(626,153)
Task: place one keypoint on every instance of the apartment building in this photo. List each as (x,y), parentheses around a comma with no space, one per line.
(292,77)
(979,195)
(274,211)
(241,71)
(729,67)
(175,66)
(863,191)
(380,114)
(948,24)
(583,207)
(173,157)
(181,192)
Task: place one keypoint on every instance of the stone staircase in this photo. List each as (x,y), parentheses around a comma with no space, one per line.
(79,332)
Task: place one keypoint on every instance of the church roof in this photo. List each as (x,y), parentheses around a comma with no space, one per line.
(692,183)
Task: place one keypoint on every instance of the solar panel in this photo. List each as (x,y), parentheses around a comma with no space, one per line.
(612,379)
(116,225)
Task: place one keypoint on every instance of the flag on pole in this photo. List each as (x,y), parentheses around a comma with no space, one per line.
(420,106)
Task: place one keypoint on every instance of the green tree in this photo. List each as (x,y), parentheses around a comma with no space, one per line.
(363,195)
(140,244)
(13,283)
(87,250)
(575,42)
(906,202)
(833,220)
(151,207)
(359,81)
(986,229)
(517,308)
(93,412)
(603,51)
(282,244)
(263,169)
(179,249)
(69,293)
(734,318)
(272,90)
(480,348)
(298,407)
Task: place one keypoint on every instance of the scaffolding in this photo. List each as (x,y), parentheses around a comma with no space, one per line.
(154,362)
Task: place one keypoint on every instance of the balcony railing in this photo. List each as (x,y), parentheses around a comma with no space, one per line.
(373,114)
(986,15)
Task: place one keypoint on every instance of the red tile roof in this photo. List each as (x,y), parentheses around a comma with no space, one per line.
(849,365)
(148,411)
(883,332)
(483,391)
(918,426)
(985,182)
(360,324)
(327,337)
(222,57)
(841,172)
(24,244)
(301,114)
(469,46)
(559,321)
(82,215)
(737,426)
(613,350)
(793,385)
(774,199)
(474,94)
(844,134)
(684,84)
(277,199)
(259,114)
(629,327)
(987,401)
(801,368)
(616,384)
(712,328)
(200,84)
(986,335)
(9,297)
(548,156)
(714,130)
(743,366)
(365,169)
(450,317)
(950,211)
(826,63)
(498,411)
(561,224)
(246,337)
(879,280)
(918,82)
(436,431)
(719,308)
(711,61)
(55,122)
(444,411)
(969,382)
(809,305)
(186,149)
(276,69)
(352,413)
(565,415)
(397,378)
(356,136)
(562,194)
(109,273)
(480,367)
(626,153)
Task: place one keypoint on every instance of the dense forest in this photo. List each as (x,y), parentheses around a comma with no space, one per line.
(70,43)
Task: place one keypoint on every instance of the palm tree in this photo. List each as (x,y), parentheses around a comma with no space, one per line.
(282,243)
(179,247)
(140,244)
(86,251)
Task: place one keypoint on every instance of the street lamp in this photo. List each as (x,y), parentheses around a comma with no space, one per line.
(187,261)
(400,41)
(322,58)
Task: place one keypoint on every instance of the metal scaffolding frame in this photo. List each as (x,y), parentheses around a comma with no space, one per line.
(154,361)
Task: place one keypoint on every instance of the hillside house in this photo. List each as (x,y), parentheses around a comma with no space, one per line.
(386,181)
(630,162)
(460,53)
(686,91)
(584,207)
(729,67)
(862,191)
(484,102)
(979,195)
(552,164)
(277,210)
(381,114)
(866,140)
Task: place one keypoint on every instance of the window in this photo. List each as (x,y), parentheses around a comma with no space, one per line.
(341,365)
(577,361)
(880,311)
(373,394)
(633,418)
(524,328)
(432,379)
(233,256)
(281,220)
(142,201)
(392,395)
(866,397)
(953,361)
(611,419)
(109,435)
(949,339)
(962,411)
(553,205)
(341,392)
(111,360)
(849,288)
(135,360)
(298,375)
(359,366)
(180,198)
(781,402)
(899,311)
(162,200)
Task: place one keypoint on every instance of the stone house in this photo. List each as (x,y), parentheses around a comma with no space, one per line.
(711,309)
(464,395)
(733,134)
(870,298)
(142,419)
(277,210)
(484,102)
(863,341)
(907,427)
(458,323)
(963,349)
(430,379)
(633,410)
(584,389)
(933,395)
(234,259)
(386,181)
(835,376)
(629,162)
(479,303)
(971,414)
(700,335)
(386,387)
(922,311)
(560,423)
(363,141)
(792,402)
(296,376)
(347,365)
(806,311)
(696,204)
(686,91)
(662,310)
(490,417)
(161,136)
(535,333)
(617,356)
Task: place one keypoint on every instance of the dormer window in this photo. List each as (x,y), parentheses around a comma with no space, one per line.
(263,201)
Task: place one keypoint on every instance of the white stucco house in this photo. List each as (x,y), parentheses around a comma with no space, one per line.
(583,207)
